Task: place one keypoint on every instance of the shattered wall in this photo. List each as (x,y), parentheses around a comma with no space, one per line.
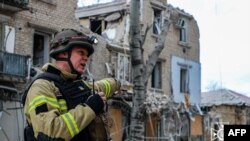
(115,30)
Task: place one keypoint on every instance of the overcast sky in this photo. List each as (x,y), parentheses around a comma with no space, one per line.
(224,41)
(90,2)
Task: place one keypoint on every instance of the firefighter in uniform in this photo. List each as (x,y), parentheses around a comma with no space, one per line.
(60,105)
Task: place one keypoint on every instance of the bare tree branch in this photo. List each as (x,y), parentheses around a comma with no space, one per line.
(153,57)
(146,32)
(140,74)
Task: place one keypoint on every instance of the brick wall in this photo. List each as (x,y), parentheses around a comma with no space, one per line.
(53,14)
(172,46)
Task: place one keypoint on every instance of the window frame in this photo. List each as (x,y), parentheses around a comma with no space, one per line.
(2,36)
(155,84)
(157,5)
(184,88)
(157,21)
(182,25)
(126,70)
(45,48)
(183,32)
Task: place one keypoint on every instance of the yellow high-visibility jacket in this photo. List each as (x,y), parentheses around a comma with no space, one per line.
(57,122)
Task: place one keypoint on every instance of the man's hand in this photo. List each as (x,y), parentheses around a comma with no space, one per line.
(96,103)
(102,95)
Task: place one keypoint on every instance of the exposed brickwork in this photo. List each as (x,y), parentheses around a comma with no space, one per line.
(53,16)
(192,51)
(172,46)
(60,15)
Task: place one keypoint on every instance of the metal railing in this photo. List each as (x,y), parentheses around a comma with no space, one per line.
(16,3)
(13,64)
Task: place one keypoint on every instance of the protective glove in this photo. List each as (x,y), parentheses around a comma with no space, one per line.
(96,103)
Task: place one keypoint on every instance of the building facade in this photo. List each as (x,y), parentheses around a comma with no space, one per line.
(27,27)
(176,76)
(223,107)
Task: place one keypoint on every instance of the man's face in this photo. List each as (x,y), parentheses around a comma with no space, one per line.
(79,58)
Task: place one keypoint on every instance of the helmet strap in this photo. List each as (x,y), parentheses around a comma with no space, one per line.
(73,70)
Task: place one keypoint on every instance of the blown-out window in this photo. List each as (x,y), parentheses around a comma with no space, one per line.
(97,26)
(183,80)
(40,49)
(157,23)
(156,76)
(183,33)
(123,71)
(182,25)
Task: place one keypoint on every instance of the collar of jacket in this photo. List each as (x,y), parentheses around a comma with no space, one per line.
(63,73)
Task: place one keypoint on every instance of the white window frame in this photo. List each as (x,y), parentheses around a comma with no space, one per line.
(184,80)
(157,21)
(9,39)
(123,68)
(194,79)
(182,25)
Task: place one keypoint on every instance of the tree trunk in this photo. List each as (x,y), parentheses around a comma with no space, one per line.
(141,72)
(137,122)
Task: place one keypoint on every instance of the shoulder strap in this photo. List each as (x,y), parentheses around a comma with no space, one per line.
(45,75)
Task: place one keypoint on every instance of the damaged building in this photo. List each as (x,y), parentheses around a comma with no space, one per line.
(26,28)
(174,86)
(173,92)
(223,107)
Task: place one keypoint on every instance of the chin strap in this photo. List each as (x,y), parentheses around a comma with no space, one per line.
(73,70)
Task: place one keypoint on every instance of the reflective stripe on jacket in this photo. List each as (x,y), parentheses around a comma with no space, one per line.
(49,115)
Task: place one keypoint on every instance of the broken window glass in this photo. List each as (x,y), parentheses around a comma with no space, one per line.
(157,22)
